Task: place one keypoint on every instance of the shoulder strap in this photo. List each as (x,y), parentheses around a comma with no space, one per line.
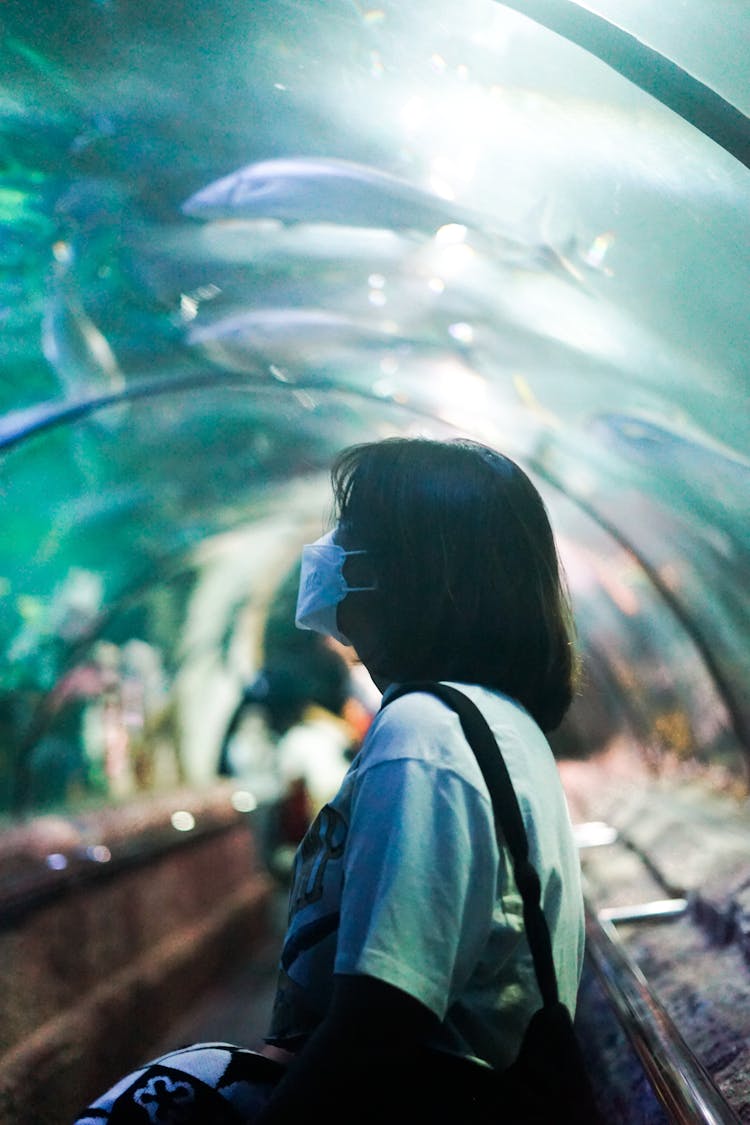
(508,822)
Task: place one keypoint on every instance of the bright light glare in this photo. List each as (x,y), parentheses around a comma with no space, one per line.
(183,821)
(594,834)
(450,234)
(244,801)
(462,332)
(460,394)
(414,114)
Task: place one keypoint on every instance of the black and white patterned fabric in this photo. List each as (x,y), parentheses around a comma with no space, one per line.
(206,1082)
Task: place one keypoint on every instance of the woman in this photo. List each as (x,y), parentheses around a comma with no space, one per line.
(405,973)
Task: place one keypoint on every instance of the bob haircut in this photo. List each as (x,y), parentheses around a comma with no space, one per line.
(469,587)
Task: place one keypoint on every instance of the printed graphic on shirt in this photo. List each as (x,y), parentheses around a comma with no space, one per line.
(307,956)
(323,842)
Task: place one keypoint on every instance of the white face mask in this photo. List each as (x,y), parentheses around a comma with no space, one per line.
(322,586)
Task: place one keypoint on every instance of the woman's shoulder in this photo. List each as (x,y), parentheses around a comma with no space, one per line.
(418,726)
(423,706)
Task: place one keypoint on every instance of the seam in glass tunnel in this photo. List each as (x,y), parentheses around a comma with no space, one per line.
(647,68)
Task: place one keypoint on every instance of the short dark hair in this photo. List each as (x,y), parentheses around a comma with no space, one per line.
(469,586)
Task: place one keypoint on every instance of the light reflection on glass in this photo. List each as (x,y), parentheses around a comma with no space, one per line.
(56,861)
(462,332)
(243,800)
(183,821)
(594,834)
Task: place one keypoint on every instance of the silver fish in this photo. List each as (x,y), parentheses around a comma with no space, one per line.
(250,341)
(72,344)
(682,446)
(320,190)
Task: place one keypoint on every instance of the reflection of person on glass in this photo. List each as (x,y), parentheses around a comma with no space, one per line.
(406,927)
(406,976)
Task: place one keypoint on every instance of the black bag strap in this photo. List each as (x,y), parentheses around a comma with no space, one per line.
(508,823)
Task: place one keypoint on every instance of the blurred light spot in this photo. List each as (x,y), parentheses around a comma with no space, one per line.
(279,373)
(462,332)
(450,234)
(376,65)
(462,71)
(597,251)
(62,251)
(460,394)
(377,297)
(305,400)
(376,281)
(243,800)
(188,307)
(438,62)
(183,821)
(436,284)
(594,834)
(441,187)
(389,365)
(374,15)
(100,853)
(279,86)
(454,259)
(56,861)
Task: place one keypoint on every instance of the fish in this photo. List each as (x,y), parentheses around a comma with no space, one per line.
(683,448)
(325,190)
(72,344)
(251,340)
(77,349)
(250,240)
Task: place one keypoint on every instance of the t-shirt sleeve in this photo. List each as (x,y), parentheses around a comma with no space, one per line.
(419,880)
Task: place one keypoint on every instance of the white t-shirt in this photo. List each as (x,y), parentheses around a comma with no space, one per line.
(315,749)
(400,878)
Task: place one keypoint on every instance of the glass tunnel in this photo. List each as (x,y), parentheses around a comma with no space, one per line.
(235,238)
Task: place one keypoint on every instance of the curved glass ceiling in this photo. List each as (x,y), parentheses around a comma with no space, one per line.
(238,237)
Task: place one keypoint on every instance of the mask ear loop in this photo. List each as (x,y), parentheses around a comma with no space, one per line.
(356,589)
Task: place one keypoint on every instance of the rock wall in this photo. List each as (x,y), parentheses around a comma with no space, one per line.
(96,967)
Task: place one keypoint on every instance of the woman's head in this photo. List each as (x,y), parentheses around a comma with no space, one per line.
(468,582)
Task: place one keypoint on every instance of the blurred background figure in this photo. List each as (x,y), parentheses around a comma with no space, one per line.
(296,727)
